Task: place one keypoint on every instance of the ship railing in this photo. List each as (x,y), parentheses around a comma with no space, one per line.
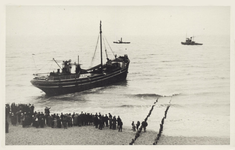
(72,76)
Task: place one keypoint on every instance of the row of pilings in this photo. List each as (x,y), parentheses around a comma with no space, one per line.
(161,125)
(140,129)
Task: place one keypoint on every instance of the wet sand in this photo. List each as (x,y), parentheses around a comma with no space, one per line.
(89,135)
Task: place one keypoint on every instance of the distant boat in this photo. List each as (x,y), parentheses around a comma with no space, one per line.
(189,41)
(121,42)
(57,83)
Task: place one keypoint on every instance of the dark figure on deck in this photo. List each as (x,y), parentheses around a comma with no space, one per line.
(78,69)
(144,125)
(137,125)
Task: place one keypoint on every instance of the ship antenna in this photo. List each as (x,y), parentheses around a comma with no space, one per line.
(56,63)
(101,46)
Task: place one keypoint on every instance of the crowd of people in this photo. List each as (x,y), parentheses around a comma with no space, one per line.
(25,115)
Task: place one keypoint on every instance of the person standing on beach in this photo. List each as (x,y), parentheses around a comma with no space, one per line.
(75,120)
(8,109)
(118,121)
(100,122)
(36,122)
(110,121)
(55,122)
(120,126)
(32,109)
(47,113)
(49,123)
(114,123)
(133,126)
(64,122)
(144,125)
(7,126)
(69,120)
(96,121)
(137,125)
(106,120)
(41,120)
(19,116)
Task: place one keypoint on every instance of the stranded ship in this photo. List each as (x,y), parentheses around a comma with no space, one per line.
(64,81)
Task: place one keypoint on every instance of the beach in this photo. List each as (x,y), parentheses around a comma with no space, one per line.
(193,82)
(89,135)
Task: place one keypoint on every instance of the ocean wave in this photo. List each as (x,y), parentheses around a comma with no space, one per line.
(171,95)
(131,106)
(153,95)
(147,95)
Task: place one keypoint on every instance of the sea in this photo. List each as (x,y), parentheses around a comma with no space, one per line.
(193,80)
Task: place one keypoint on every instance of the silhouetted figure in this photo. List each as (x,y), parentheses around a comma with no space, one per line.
(137,125)
(6,126)
(144,125)
(13,119)
(106,119)
(120,126)
(133,126)
(114,123)
(118,121)
(110,121)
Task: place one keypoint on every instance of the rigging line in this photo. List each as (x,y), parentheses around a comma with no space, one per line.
(109,46)
(43,66)
(95,50)
(50,66)
(105,50)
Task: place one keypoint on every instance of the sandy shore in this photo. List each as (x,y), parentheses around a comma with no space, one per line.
(89,135)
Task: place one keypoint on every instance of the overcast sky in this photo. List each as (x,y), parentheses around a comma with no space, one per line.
(118,20)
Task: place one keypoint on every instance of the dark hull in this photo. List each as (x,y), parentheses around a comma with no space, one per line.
(184,43)
(60,87)
(122,42)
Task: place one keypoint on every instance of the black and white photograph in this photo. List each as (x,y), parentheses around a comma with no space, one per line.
(117,75)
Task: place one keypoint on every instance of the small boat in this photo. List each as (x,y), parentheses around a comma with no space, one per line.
(189,41)
(121,42)
(64,81)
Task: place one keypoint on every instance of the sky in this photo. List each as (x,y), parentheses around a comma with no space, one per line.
(118,20)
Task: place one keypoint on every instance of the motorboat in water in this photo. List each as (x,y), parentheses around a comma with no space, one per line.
(121,42)
(189,41)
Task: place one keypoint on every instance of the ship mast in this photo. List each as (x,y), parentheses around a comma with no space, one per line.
(101,46)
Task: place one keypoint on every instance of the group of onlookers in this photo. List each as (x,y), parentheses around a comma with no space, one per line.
(25,115)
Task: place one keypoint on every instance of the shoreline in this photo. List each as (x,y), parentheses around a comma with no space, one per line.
(89,135)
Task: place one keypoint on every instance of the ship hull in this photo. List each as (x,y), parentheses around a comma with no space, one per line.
(66,86)
(122,42)
(190,43)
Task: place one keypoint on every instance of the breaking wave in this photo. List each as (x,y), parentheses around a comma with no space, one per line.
(152,95)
